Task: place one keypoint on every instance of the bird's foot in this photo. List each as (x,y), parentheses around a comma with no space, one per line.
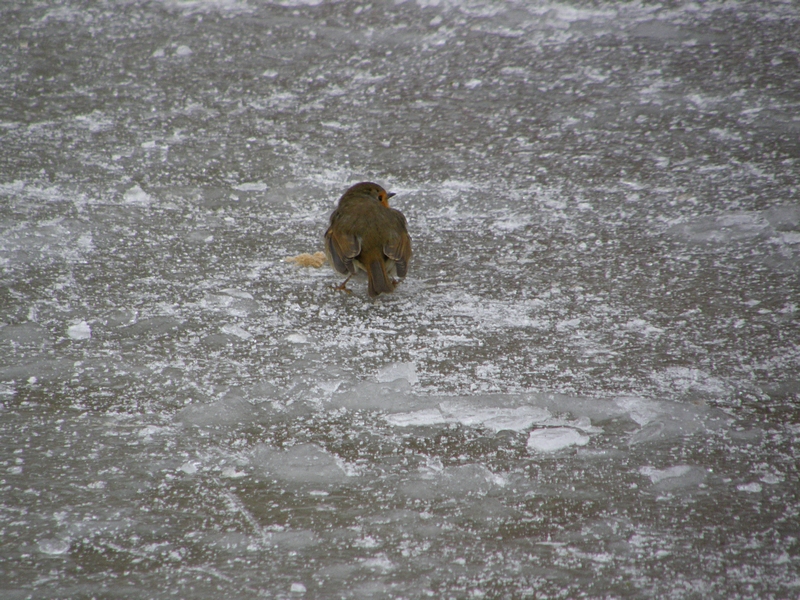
(342,287)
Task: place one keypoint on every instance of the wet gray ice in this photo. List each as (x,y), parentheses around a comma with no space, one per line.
(586,387)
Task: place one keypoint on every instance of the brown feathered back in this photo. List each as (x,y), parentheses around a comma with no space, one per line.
(365,234)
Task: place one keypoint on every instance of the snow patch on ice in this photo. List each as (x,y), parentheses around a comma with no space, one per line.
(95,121)
(511,223)
(136,195)
(190,467)
(686,379)
(642,326)
(492,314)
(79,331)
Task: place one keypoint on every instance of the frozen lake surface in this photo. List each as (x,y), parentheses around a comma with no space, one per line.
(587,386)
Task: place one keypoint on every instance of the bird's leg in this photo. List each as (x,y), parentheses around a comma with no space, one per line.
(342,287)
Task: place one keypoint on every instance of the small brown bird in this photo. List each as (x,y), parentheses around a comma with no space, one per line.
(365,234)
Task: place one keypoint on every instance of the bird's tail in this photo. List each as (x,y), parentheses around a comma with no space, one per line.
(379,280)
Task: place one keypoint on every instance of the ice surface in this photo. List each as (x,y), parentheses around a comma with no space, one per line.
(586,386)
(25,334)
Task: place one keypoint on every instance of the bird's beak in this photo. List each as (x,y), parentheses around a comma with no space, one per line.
(390,194)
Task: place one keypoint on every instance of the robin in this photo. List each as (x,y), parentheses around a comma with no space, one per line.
(365,234)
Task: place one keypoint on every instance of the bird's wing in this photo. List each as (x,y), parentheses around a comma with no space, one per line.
(342,249)
(399,250)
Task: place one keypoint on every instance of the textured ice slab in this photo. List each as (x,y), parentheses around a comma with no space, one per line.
(227,412)
(521,412)
(25,334)
(54,546)
(434,481)
(301,464)
(394,396)
(556,438)
(41,369)
(663,420)
(674,478)
(723,228)
(777,229)
(472,415)
(401,370)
